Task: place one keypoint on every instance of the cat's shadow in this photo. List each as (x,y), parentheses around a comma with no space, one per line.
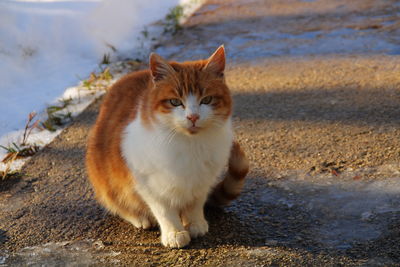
(226,228)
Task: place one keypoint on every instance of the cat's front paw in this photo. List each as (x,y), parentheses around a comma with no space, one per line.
(198,228)
(175,239)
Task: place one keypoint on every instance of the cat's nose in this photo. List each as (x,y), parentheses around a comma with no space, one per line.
(193,117)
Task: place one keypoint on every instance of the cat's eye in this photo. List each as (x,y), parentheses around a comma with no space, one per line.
(206,100)
(175,102)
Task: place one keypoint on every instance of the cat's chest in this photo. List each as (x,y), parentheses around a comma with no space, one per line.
(175,156)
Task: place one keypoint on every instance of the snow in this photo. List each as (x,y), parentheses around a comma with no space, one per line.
(48,46)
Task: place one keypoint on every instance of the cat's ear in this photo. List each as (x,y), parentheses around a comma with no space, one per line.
(159,67)
(216,63)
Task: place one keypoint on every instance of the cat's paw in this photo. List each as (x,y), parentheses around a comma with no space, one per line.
(198,228)
(143,223)
(175,239)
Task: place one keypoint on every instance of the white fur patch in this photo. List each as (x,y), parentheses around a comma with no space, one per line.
(172,167)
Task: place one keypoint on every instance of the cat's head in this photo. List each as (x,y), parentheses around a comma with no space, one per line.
(190,97)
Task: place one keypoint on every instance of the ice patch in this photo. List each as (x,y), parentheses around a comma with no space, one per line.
(69,253)
(325,210)
(347,211)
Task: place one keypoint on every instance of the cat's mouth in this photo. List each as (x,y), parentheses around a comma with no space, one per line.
(193,129)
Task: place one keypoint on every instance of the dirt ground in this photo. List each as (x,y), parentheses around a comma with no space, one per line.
(316,88)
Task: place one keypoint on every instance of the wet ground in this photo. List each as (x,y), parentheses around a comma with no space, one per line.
(316,86)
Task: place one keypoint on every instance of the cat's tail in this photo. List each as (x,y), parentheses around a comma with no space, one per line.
(231,186)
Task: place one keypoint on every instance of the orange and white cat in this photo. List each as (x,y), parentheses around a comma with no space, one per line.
(162,139)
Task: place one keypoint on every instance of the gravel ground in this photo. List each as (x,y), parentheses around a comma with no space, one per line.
(316,87)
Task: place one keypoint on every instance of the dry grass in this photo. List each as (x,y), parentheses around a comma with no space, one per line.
(98,81)
(22,149)
(56,115)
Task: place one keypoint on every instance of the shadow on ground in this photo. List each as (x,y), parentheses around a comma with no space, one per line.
(344,105)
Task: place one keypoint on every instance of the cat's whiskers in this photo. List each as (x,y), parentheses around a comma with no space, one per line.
(216,122)
(161,138)
(171,136)
(166,135)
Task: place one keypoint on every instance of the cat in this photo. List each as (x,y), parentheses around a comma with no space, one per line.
(162,138)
